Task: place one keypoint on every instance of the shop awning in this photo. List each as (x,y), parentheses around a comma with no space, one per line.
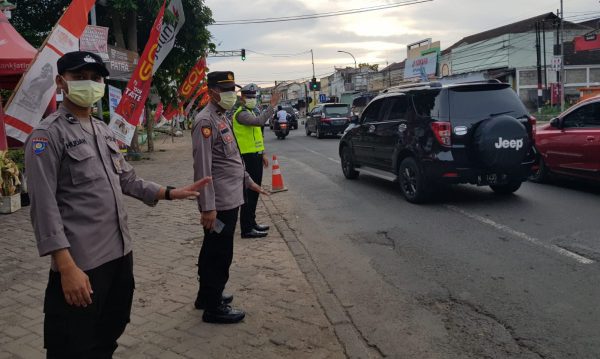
(15,54)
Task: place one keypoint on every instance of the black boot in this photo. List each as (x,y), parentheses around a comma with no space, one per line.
(261,227)
(223,314)
(225,299)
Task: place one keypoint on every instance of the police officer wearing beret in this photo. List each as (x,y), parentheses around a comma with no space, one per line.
(248,132)
(216,155)
(76,178)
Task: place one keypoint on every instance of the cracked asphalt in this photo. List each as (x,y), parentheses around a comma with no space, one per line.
(470,275)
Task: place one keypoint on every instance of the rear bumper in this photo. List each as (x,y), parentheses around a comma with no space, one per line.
(333,129)
(449,173)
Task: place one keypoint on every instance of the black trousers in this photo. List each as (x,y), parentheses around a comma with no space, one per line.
(254,167)
(215,259)
(91,332)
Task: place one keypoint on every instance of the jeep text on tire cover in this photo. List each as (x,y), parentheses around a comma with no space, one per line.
(516,144)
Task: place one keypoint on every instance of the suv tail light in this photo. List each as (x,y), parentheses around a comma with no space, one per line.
(324,118)
(442,132)
(532,122)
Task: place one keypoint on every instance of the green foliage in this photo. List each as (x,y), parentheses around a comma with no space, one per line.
(9,175)
(373,67)
(34,19)
(18,157)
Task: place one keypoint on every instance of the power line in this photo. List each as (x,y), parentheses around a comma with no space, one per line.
(279,55)
(316,16)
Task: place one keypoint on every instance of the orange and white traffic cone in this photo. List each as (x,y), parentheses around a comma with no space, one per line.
(277,179)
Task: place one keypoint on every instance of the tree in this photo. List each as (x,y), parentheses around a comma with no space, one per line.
(34,19)
(192,41)
(373,67)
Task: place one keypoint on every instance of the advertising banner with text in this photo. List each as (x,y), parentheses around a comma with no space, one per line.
(127,115)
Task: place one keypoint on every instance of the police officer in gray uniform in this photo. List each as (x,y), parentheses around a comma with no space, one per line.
(76,178)
(216,155)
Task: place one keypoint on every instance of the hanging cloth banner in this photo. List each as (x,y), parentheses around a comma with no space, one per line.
(201,90)
(159,112)
(128,113)
(166,41)
(3,142)
(193,79)
(37,87)
(203,101)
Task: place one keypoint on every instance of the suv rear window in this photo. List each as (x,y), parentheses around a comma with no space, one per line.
(337,110)
(478,102)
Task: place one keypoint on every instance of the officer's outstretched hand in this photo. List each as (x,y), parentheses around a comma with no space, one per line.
(191,190)
(256,188)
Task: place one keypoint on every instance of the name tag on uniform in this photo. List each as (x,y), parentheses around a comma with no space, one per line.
(225,133)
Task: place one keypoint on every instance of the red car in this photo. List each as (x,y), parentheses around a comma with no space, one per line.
(570,144)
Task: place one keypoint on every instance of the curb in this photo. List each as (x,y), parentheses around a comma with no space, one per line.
(353,343)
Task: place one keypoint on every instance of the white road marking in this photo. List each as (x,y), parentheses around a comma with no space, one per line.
(506,229)
(320,154)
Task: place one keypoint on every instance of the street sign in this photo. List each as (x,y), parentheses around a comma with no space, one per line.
(322,98)
(556,63)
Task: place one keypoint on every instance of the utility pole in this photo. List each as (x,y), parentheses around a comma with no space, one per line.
(539,66)
(545,64)
(312,57)
(99,103)
(562,54)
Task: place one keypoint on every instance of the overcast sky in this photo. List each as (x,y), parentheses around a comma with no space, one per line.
(374,37)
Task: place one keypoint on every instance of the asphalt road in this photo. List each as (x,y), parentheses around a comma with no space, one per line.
(470,275)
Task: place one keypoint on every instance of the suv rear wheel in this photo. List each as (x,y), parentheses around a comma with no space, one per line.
(509,188)
(348,164)
(319,133)
(413,184)
(308,133)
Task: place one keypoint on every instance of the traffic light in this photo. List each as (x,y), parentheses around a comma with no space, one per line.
(315,85)
(243,54)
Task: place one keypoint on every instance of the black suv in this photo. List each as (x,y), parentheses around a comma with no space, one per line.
(425,134)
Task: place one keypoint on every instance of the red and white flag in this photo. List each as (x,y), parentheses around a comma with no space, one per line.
(127,114)
(38,87)
(193,79)
(201,90)
(158,113)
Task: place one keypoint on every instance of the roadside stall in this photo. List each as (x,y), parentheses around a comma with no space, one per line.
(15,56)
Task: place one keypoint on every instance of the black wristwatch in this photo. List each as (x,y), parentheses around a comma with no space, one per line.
(168,193)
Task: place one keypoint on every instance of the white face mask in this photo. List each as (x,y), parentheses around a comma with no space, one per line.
(251,103)
(228,99)
(85,93)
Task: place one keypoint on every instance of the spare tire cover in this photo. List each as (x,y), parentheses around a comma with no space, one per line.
(502,143)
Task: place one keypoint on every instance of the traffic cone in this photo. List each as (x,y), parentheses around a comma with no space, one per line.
(277,179)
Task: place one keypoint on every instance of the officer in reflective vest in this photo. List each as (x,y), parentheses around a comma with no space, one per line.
(248,132)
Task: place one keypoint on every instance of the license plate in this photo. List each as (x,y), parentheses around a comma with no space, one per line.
(488,179)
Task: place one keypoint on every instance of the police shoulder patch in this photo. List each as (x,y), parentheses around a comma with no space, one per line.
(39,144)
(206,131)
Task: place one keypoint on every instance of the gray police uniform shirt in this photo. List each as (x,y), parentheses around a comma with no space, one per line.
(216,154)
(76,180)
(249,119)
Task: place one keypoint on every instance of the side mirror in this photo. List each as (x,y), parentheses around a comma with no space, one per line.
(354,119)
(555,122)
